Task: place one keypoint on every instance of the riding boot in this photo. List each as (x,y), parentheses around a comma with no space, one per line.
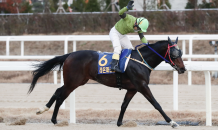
(114,66)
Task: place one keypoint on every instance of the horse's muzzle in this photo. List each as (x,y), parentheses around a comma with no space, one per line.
(181,70)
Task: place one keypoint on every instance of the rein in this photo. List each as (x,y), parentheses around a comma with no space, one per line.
(164,58)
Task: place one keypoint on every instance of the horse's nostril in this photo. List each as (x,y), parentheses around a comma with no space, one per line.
(183,69)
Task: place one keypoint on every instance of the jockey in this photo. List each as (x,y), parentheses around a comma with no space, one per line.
(127,24)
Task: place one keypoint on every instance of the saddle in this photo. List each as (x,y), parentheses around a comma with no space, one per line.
(104,66)
(105,59)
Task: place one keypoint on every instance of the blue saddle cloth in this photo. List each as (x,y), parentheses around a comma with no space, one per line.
(105,59)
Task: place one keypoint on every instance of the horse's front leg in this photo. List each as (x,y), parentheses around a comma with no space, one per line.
(129,95)
(145,91)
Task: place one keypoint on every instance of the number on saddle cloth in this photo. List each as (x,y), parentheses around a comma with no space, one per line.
(105,59)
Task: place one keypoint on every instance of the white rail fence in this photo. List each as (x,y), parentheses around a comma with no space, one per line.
(75,38)
(190,65)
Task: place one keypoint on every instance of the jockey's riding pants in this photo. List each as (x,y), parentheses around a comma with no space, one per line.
(119,40)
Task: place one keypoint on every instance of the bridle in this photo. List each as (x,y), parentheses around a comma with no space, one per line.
(164,58)
(169,55)
(168,52)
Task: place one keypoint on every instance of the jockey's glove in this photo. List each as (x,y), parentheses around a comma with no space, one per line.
(129,6)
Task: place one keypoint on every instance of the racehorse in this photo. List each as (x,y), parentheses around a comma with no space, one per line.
(80,66)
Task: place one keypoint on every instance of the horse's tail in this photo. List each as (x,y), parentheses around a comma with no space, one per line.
(45,67)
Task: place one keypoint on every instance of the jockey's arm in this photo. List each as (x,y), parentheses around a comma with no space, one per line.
(122,12)
(141,35)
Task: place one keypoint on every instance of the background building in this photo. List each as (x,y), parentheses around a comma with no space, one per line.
(151,4)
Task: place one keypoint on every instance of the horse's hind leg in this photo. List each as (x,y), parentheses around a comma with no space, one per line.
(54,97)
(145,90)
(75,73)
(64,93)
(69,86)
(51,101)
(129,95)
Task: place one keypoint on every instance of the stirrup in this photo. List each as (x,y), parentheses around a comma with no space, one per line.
(114,65)
(116,69)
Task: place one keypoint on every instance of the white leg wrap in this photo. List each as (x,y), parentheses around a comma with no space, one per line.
(41,110)
(174,124)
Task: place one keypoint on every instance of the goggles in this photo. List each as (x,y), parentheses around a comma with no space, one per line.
(136,25)
(175,52)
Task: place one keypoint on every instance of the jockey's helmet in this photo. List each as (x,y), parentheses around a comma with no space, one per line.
(142,23)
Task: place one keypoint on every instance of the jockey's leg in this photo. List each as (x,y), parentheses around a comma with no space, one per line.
(115,38)
(115,63)
(126,43)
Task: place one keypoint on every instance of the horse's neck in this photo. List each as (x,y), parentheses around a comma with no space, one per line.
(151,57)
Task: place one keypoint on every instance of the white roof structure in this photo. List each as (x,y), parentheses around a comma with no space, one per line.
(70,2)
(178,4)
(175,4)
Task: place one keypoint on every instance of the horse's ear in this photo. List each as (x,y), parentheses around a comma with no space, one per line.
(169,40)
(176,40)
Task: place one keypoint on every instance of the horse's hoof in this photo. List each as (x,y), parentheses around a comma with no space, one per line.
(174,124)
(42,110)
(54,121)
(119,124)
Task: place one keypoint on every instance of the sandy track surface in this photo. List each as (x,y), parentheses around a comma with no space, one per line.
(96,96)
(99,127)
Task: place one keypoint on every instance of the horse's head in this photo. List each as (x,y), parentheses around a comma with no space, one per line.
(174,56)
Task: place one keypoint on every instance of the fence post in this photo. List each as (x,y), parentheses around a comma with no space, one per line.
(189,59)
(208,98)
(74,46)
(175,90)
(8,46)
(62,79)
(183,47)
(72,98)
(22,48)
(55,77)
(66,45)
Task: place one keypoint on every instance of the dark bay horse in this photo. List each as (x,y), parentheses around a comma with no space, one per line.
(80,66)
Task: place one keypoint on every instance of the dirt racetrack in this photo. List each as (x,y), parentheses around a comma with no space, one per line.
(99,127)
(97,107)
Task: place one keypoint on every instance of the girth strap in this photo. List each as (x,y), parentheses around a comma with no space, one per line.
(119,80)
